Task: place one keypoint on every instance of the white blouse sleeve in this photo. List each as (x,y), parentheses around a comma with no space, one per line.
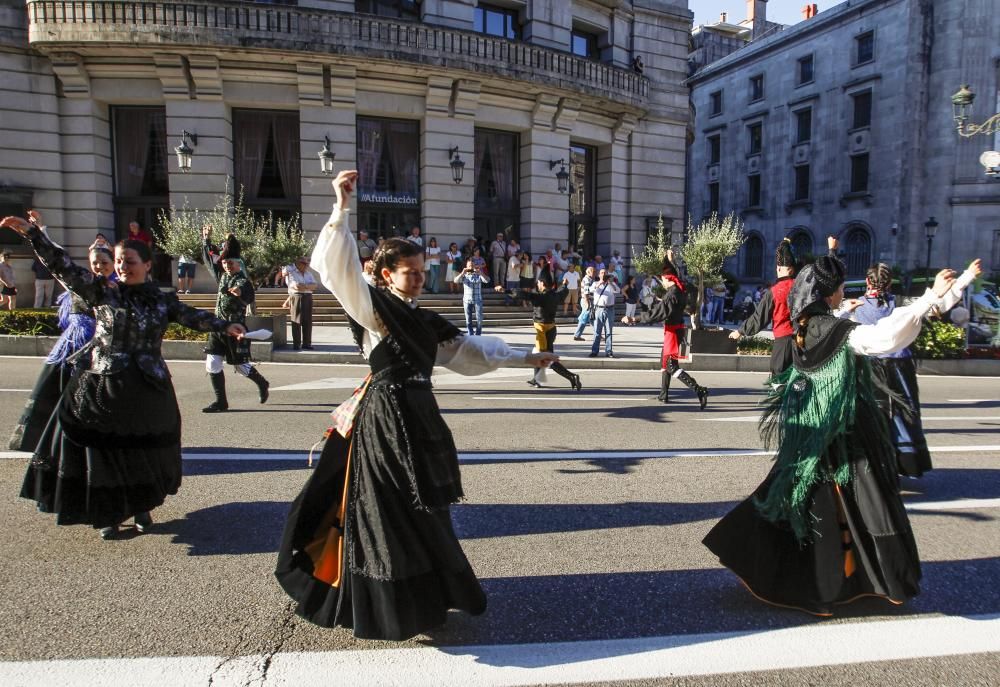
(954,297)
(476,355)
(895,331)
(335,258)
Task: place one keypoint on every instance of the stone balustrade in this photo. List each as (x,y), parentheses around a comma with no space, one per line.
(66,25)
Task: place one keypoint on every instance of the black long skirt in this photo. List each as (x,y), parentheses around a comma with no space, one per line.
(366,555)
(862,546)
(112,450)
(912,454)
(40,406)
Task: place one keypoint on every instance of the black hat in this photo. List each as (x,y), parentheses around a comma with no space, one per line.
(813,284)
(784,257)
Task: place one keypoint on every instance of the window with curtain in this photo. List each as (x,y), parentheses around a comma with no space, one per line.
(753,257)
(582,198)
(267,160)
(388,154)
(857,251)
(497,199)
(140,151)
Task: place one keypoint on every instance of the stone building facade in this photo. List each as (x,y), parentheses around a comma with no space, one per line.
(842,124)
(98,94)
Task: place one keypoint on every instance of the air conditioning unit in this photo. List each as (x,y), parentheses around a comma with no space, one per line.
(859,142)
(713,173)
(753,164)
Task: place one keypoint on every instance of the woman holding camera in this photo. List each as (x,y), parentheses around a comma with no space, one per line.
(369,542)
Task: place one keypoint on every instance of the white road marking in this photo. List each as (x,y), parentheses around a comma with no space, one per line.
(972,400)
(923,418)
(961,504)
(513,665)
(16,390)
(572,395)
(440,378)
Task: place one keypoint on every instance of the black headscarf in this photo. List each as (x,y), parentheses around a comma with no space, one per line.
(813,285)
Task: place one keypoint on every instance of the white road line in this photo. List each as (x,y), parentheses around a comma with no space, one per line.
(923,418)
(16,390)
(570,394)
(972,400)
(514,665)
(961,504)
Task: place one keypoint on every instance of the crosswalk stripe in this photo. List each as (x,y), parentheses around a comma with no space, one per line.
(515,665)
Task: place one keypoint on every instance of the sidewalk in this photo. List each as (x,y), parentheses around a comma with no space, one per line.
(636,347)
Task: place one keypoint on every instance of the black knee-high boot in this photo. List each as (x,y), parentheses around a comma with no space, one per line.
(689,381)
(574,379)
(664,386)
(262,384)
(219,387)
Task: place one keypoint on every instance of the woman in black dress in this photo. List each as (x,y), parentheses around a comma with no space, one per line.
(828,525)
(113,452)
(369,543)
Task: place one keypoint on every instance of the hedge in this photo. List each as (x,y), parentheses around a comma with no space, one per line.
(27,322)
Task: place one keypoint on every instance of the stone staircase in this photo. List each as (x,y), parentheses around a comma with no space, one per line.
(326,309)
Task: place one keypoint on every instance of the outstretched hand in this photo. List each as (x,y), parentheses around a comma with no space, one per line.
(237,330)
(832,243)
(735,335)
(976,267)
(18,224)
(344,185)
(541,359)
(35,217)
(943,282)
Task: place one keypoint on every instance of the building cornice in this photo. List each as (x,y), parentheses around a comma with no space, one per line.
(324,36)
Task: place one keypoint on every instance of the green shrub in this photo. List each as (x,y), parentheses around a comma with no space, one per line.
(29,322)
(939,340)
(176,332)
(754,345)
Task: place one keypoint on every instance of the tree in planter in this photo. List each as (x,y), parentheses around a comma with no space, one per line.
(705,251)
(650,260)
(267,243)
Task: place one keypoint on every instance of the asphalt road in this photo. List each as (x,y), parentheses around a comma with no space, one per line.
(601,549)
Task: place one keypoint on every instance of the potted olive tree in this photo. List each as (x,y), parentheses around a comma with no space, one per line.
(267,244)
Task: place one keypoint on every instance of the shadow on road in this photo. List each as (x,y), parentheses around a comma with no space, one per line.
(483,521)
(949,484)
(230,529)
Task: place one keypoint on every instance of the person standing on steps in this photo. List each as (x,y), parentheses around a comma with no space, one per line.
(670,311)
(236,294)
(472,279)
(301,285)
(586,304)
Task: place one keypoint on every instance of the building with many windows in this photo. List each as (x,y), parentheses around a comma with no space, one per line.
(98,94)
(842,124)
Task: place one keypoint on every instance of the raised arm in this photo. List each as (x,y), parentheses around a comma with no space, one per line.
(81,281)
(762,315)
(335,258)
(206,253)
(194,318)
(954,296)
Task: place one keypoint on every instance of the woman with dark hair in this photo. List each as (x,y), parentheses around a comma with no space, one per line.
(828,524)
(902,405)
(76,319)
(113,450)
(670,311)
(369,542)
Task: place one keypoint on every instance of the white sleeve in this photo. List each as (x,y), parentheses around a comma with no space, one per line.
(476,355)
(954,296)
(894,332)
(335,258)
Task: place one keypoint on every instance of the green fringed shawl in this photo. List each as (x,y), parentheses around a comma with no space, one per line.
(808,417)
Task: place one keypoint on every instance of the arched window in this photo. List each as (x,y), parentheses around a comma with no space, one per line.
(802,244)
(858,251)
(753,257)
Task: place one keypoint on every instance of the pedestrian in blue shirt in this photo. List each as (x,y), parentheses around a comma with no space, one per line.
(472,279)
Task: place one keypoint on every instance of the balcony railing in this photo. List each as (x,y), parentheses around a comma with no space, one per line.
(208,24)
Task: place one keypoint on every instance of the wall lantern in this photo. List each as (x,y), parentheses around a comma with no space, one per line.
(184,151)
(457,165)
(961,103)
(326,158)
(562,176)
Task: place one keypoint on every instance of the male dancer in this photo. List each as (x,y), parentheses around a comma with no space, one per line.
(235,294)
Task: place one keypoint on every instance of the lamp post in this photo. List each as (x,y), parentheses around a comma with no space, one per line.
(184,151)
(562,176)
(326,158)
(930,229)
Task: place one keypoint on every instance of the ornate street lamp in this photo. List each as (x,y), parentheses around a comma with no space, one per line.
(457,165)
(184,151)
(326,157)
(930,229)
(562,176)
(961,103)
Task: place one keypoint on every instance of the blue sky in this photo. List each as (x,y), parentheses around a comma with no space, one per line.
(783,11)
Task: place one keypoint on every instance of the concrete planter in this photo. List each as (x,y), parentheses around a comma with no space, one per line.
(715,341)
(277,323)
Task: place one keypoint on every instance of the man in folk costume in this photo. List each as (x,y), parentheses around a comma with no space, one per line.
(235,294)
(670,310)
(545,303)
(773,309)
(828,525)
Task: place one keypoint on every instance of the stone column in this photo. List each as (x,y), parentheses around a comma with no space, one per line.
(544,210)
(447,209)
(615,226)
(324,110)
